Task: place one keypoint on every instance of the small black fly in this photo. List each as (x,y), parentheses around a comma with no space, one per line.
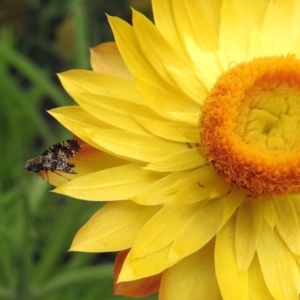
(55,159)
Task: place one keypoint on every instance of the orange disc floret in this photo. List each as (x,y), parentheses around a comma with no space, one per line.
(249,126)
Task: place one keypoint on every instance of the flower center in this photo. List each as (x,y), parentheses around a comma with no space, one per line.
(250,126)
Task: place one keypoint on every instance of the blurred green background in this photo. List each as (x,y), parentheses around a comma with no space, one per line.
(39,38)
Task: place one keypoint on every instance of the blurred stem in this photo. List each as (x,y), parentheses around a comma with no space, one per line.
(6,257)
(23,290)
(63,230)
(81,34)
(77,277)
(24,102)
(32,72)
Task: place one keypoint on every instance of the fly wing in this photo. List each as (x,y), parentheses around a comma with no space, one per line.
(63,150)
(59,164)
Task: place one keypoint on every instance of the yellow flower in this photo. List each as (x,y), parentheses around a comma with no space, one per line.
(196,124)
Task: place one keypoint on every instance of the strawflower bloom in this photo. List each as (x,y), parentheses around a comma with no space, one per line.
(190,131)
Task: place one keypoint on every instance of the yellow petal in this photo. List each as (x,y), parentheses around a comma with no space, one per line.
(237,24)
(162,229)
(146,266)
(267,205)
(202,226)
(185,160)
(169,130)
(258,288)
(65,115)
(164,21)
(273,32)
(206,185)
(136,288)
(116,112)
(164,190)
(190,118)
(130,50)
(107,59)
(233,283)
(100,84)
(234,199)
(90,160)
(177,19)
(200,45)
(199,278)
(287,223)
(296,203)
(208,65)
(104,102)
(278,264)
(192,134)
(112,228)
(158,96)
(147,80)
(165,57)
(112,184)
(188,228)
(248,224)
(140,147)
(144,147)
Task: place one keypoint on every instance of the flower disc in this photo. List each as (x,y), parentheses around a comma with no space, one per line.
(248,126)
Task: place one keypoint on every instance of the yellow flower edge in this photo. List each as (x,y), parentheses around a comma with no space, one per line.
(197,200)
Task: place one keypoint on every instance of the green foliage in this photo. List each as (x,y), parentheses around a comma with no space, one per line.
(39,38)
